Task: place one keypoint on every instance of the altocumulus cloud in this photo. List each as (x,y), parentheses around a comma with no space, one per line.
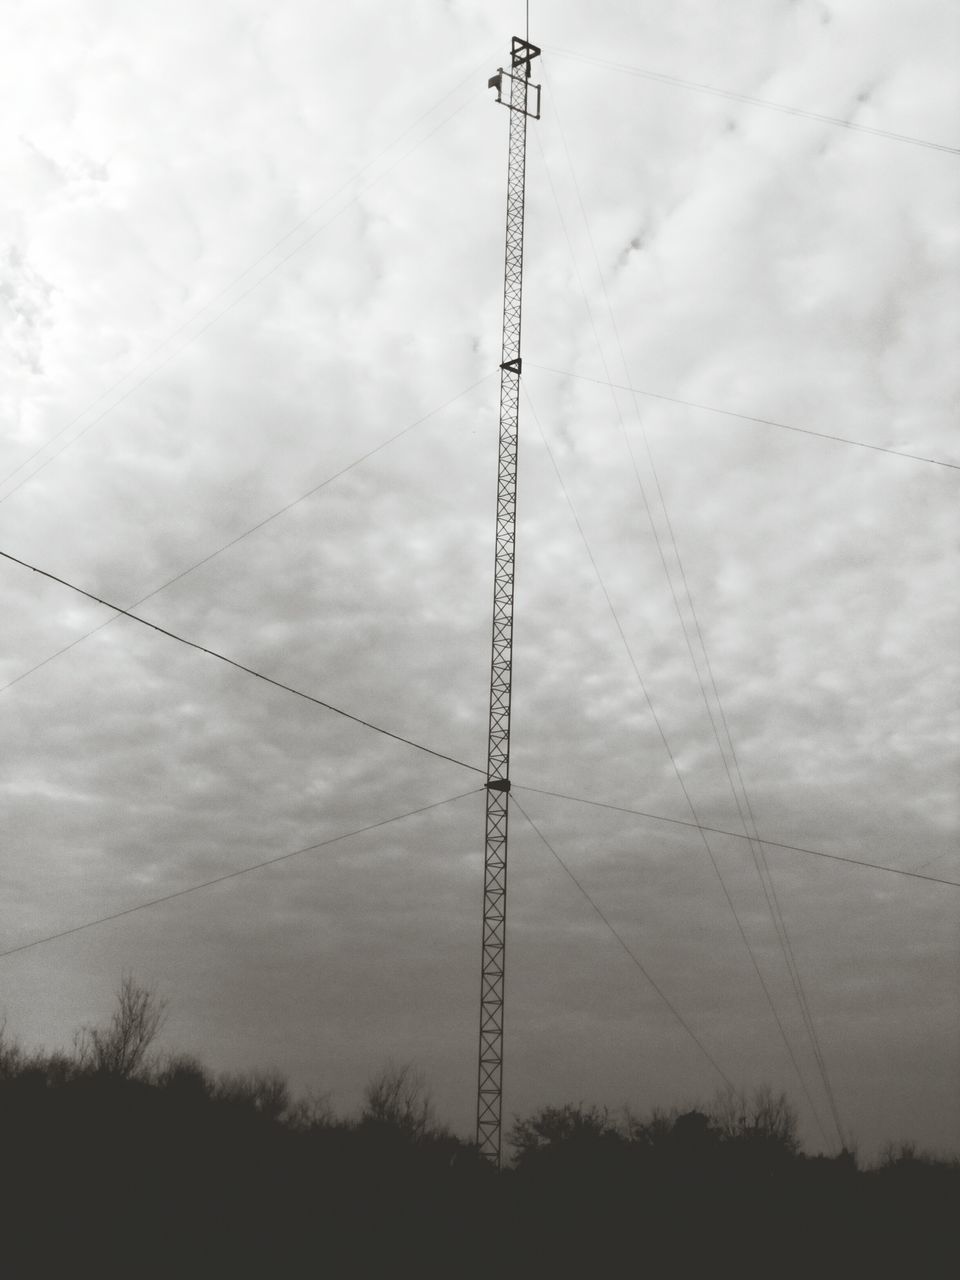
(200,292)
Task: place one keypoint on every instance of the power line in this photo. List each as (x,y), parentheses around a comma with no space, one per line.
(246,533)
(755,102)
(231,662)
(737,835)
(232,875)
(219,315)
(745,417)
(626,947)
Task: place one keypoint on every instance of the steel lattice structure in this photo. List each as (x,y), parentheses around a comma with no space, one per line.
(515,91)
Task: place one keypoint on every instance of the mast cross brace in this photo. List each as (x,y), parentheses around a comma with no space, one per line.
(516,83)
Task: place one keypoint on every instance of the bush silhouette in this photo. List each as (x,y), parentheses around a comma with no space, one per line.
(115,1164)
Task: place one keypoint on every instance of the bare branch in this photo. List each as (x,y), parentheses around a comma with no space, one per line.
(120,1049)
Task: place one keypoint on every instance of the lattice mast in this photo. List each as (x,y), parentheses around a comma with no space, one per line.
(514,90)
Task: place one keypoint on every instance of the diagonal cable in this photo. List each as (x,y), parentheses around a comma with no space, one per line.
(745,417)
(232,875)
(229,307)
(245,534)
(243,274)
(751,101)
(706,843)
(626,947)
(744,808)
(702,830)
(231,662)
(739,835)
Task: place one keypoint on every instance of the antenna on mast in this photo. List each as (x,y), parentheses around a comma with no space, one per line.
(514,90)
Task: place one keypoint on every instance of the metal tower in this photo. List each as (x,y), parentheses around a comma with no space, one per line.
(515,91)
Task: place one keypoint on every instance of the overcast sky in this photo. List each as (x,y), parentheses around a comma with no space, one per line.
(247,244)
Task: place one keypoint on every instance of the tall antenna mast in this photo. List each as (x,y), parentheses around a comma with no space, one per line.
(515,91)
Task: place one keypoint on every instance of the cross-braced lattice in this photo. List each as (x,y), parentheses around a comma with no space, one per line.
(490,1076)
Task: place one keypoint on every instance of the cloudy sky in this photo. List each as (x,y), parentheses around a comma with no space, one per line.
(244,247)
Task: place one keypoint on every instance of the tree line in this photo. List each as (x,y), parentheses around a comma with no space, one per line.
(119,1160)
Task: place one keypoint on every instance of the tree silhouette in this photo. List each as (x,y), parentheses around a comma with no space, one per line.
(761,1118)
(160,1168)
(120,1049)
(573,1126)
(398,1097)
(265,1092)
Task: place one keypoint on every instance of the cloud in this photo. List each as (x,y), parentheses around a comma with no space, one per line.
(188,233)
